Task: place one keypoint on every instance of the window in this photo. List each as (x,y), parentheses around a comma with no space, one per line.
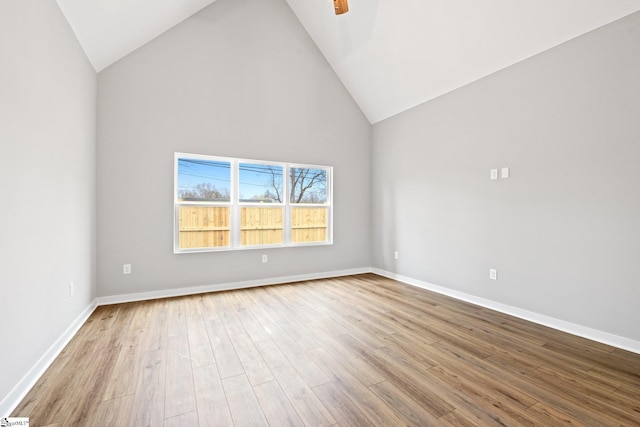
(203,196)
(260,199)
(308,200)
(227,204)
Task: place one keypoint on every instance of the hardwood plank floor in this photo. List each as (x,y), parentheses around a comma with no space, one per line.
(354,351)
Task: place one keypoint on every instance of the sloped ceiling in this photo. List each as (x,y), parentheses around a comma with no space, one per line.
(390,54)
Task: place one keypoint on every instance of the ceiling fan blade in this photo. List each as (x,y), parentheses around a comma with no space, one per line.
(340,6)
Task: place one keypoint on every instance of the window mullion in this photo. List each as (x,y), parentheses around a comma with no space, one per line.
(235,205)
(286,206)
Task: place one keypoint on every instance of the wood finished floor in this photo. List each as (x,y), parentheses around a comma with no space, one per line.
(354,351)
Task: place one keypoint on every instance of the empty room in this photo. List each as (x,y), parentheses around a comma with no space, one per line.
(320,213)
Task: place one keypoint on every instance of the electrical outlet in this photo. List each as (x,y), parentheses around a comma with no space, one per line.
(493,274)
(126,269)
(395,255)
(72,290)
(265,259)
(493,174)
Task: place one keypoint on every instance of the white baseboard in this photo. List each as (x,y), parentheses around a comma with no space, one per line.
(15,396)
(168,293)
(561,325)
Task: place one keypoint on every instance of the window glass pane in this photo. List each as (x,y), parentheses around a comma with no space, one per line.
(203,226)
(308,185)
(260,226)
(260,183)
(204,180)
(308,225)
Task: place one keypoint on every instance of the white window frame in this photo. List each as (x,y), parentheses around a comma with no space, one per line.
(235,205)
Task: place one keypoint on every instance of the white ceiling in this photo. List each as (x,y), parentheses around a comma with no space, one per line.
(390,54)
(111,29)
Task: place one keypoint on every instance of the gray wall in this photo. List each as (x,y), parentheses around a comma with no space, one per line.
(47,183)
(241,78)
(564,230)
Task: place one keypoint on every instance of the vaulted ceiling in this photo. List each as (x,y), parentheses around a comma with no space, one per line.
(390,54)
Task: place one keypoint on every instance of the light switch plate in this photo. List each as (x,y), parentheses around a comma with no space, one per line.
(504,173)
(493,174)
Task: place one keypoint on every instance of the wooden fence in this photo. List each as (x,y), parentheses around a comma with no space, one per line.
(261,226)
(308,225)
(203,227)
(209,227)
